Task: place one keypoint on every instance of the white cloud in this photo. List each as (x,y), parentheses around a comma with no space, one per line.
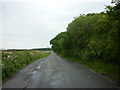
(54,1)
(0,25)
(27,23)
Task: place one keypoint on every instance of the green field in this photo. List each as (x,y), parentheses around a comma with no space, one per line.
(13,60)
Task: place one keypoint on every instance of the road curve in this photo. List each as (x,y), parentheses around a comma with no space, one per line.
(55,72)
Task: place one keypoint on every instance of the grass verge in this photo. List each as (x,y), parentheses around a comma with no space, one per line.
(109,69)
(12,61)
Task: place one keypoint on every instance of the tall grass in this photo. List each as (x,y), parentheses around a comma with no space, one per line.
(12,61)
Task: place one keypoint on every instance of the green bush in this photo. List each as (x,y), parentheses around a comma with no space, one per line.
(12,61)
(94,37)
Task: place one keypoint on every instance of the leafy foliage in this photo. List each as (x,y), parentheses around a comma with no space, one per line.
(13,60)
(91,37)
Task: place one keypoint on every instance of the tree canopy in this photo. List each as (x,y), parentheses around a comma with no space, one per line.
(95,36)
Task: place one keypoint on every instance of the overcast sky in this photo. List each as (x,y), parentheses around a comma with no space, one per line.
(33,23)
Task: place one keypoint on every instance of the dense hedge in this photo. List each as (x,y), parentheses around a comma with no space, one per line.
(95,36)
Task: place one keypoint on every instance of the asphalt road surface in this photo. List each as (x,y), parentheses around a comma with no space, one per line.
(55,72)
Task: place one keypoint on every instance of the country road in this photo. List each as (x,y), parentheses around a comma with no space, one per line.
(55,72)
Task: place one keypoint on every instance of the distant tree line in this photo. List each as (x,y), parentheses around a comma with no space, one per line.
(95,36)
(42,49)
